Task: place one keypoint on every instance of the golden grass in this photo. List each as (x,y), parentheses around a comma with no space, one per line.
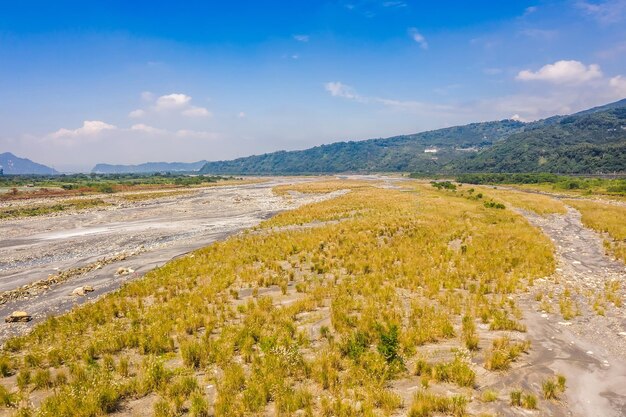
(321,187)
(537,203)
(386,277)
(44,209)
(596,191)
(155,195)
(605,218)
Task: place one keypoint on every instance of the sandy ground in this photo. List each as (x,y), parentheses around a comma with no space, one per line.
(149,233)
(590,350)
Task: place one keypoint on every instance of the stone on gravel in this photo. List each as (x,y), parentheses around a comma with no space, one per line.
(124,271)
(18,316)
(78,291)
(88,288)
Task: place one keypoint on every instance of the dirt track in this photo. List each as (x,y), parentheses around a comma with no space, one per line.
(150,233)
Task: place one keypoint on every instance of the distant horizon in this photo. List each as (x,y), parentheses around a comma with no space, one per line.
(107,82)
(90,170)
(272,151)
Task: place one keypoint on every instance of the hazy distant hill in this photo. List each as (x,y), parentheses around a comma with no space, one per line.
(13,165)
(590,141)
(148,167)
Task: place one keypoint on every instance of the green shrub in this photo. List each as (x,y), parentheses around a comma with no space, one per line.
(489,396)
(516,398)
(529,401)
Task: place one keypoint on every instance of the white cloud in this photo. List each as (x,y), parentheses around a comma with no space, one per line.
(337,89)
(418,37)
(89,128)
(562,72)
(136,114)
(147,129)
(241,115)
(194,111)
(172,101)
(302,38)
(175,103)
(605,12)
(619,84)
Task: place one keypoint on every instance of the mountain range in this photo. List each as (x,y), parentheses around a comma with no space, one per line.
(591,141)
(149,167)
(13,165)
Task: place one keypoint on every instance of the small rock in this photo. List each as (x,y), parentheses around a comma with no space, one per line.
(79,291)
(88,288)
(124,271)
(18,316)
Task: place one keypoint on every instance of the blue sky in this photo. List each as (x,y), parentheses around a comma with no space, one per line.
(128,82)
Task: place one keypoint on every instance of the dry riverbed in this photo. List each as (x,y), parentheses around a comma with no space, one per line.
(588,348)
(105,247)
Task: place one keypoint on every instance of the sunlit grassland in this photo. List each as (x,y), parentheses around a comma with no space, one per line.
(134,197)
(44,209)
(605,218)
(537,203)
(322,186)
(321,319)
(601,189)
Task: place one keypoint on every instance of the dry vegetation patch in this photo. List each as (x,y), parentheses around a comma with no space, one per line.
(537,203)
(134,197)
(609,219)
(330,320)
(9,212)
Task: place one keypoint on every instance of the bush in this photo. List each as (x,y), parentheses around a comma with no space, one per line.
(516,398)
(552,388)
(503,352)
(529,401)
(489,396)
(389,345)
(426,404)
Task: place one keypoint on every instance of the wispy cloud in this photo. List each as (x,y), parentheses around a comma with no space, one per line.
(605,12)
(338,89)
(395,4)
(554,98)
(147,129)
(418,37)
(530,10)
(540,34)
(302,38)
